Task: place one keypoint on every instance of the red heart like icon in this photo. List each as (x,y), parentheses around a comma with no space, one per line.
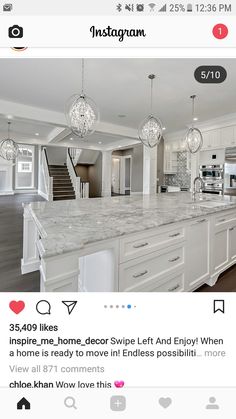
(119,384)
(17,306)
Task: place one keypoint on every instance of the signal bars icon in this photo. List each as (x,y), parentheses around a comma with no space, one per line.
(163,8)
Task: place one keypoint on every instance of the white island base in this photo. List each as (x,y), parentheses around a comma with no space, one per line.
(180,256)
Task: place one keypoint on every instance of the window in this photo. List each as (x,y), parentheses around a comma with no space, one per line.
(25,167)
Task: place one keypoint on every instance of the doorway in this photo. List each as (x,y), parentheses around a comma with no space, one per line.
(115,176)
(121,174)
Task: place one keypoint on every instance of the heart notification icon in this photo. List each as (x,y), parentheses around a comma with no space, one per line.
(17,306)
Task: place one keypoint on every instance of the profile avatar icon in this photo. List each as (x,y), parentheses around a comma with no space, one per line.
(212,404)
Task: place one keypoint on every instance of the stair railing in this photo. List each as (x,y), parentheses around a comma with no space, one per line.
(75,179)
(48,180)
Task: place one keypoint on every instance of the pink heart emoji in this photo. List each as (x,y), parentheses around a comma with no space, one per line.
(17,306)
(119,384)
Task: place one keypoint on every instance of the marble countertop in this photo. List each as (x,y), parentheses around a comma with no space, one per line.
(65,226)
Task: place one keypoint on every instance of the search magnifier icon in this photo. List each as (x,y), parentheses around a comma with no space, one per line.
(70,402)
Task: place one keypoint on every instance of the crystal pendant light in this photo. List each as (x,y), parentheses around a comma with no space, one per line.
(150,130)
(9,149)
(194,138)
(81,112)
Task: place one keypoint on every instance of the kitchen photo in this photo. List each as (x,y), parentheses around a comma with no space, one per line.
(117,175)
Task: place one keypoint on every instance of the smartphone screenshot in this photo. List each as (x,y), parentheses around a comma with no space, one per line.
(117,209)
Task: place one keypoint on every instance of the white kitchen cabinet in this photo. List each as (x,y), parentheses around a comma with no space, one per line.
(211,139)
(220,249)
(197,253)
(149,269)
(232,243)
(170,158)
(228,136)
(223,249)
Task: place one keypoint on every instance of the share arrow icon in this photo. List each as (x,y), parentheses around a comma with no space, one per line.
(70,305)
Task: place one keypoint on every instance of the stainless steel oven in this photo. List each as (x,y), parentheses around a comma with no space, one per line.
(213,178)
(230,171)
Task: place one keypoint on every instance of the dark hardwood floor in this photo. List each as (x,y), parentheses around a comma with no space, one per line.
(11,239)
(225,283)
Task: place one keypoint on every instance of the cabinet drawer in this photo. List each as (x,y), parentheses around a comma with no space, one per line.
(225,218)
(131,247)
(171,283)
(150,268)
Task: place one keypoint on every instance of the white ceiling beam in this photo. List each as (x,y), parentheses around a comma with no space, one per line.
(19,110)
(58,134)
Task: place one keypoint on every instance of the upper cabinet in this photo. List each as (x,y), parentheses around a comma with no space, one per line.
(219,138)
(228,136)
(171,149)
(211,139)
(170,158)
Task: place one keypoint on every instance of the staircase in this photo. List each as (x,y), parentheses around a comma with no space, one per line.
(62,186)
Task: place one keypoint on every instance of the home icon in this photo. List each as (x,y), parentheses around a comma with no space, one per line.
(23,404)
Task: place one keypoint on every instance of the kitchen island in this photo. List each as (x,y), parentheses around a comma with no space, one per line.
(154,243)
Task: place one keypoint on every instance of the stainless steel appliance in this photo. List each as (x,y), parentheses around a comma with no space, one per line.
(230,171)
(213,178)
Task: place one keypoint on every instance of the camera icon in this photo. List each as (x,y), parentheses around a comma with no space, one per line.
(15,32)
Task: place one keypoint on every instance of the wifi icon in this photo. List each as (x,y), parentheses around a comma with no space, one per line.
(152,6)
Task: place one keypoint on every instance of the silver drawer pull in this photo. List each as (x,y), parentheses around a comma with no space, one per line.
(174,235)
(137,246)
(174,259)
(174,288)
(231,229)
(222,220)
(140,274)
(201,221)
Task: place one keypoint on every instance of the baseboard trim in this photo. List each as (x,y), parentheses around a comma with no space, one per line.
(2,193)
(29,267)
(44,195)
(26,191)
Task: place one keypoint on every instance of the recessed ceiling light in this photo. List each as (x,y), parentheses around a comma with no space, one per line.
(99,142)
(195,119)
(122,115)
(37,134)
(9,117)
(71,138)
(119,146)
(163,128)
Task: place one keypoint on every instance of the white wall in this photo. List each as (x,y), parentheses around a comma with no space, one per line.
(6,177)
(56,155)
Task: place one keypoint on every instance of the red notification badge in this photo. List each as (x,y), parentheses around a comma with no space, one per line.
(220,31)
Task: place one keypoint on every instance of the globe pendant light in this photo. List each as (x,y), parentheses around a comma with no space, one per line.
(194,138)
(150,130)
(81,112)
(9,149)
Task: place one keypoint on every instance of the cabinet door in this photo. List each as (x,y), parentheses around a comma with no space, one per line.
(197,254)
(232,243)
(212,139)
(228,136)
(206,139)
(220,249)
(170,159)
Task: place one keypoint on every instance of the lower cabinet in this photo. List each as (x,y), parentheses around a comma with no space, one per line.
(220,254)
(185,257)
(232,243)
(223,250)
(149,271)
(197,262)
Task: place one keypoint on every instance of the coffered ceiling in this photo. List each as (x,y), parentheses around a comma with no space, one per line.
(119,87)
